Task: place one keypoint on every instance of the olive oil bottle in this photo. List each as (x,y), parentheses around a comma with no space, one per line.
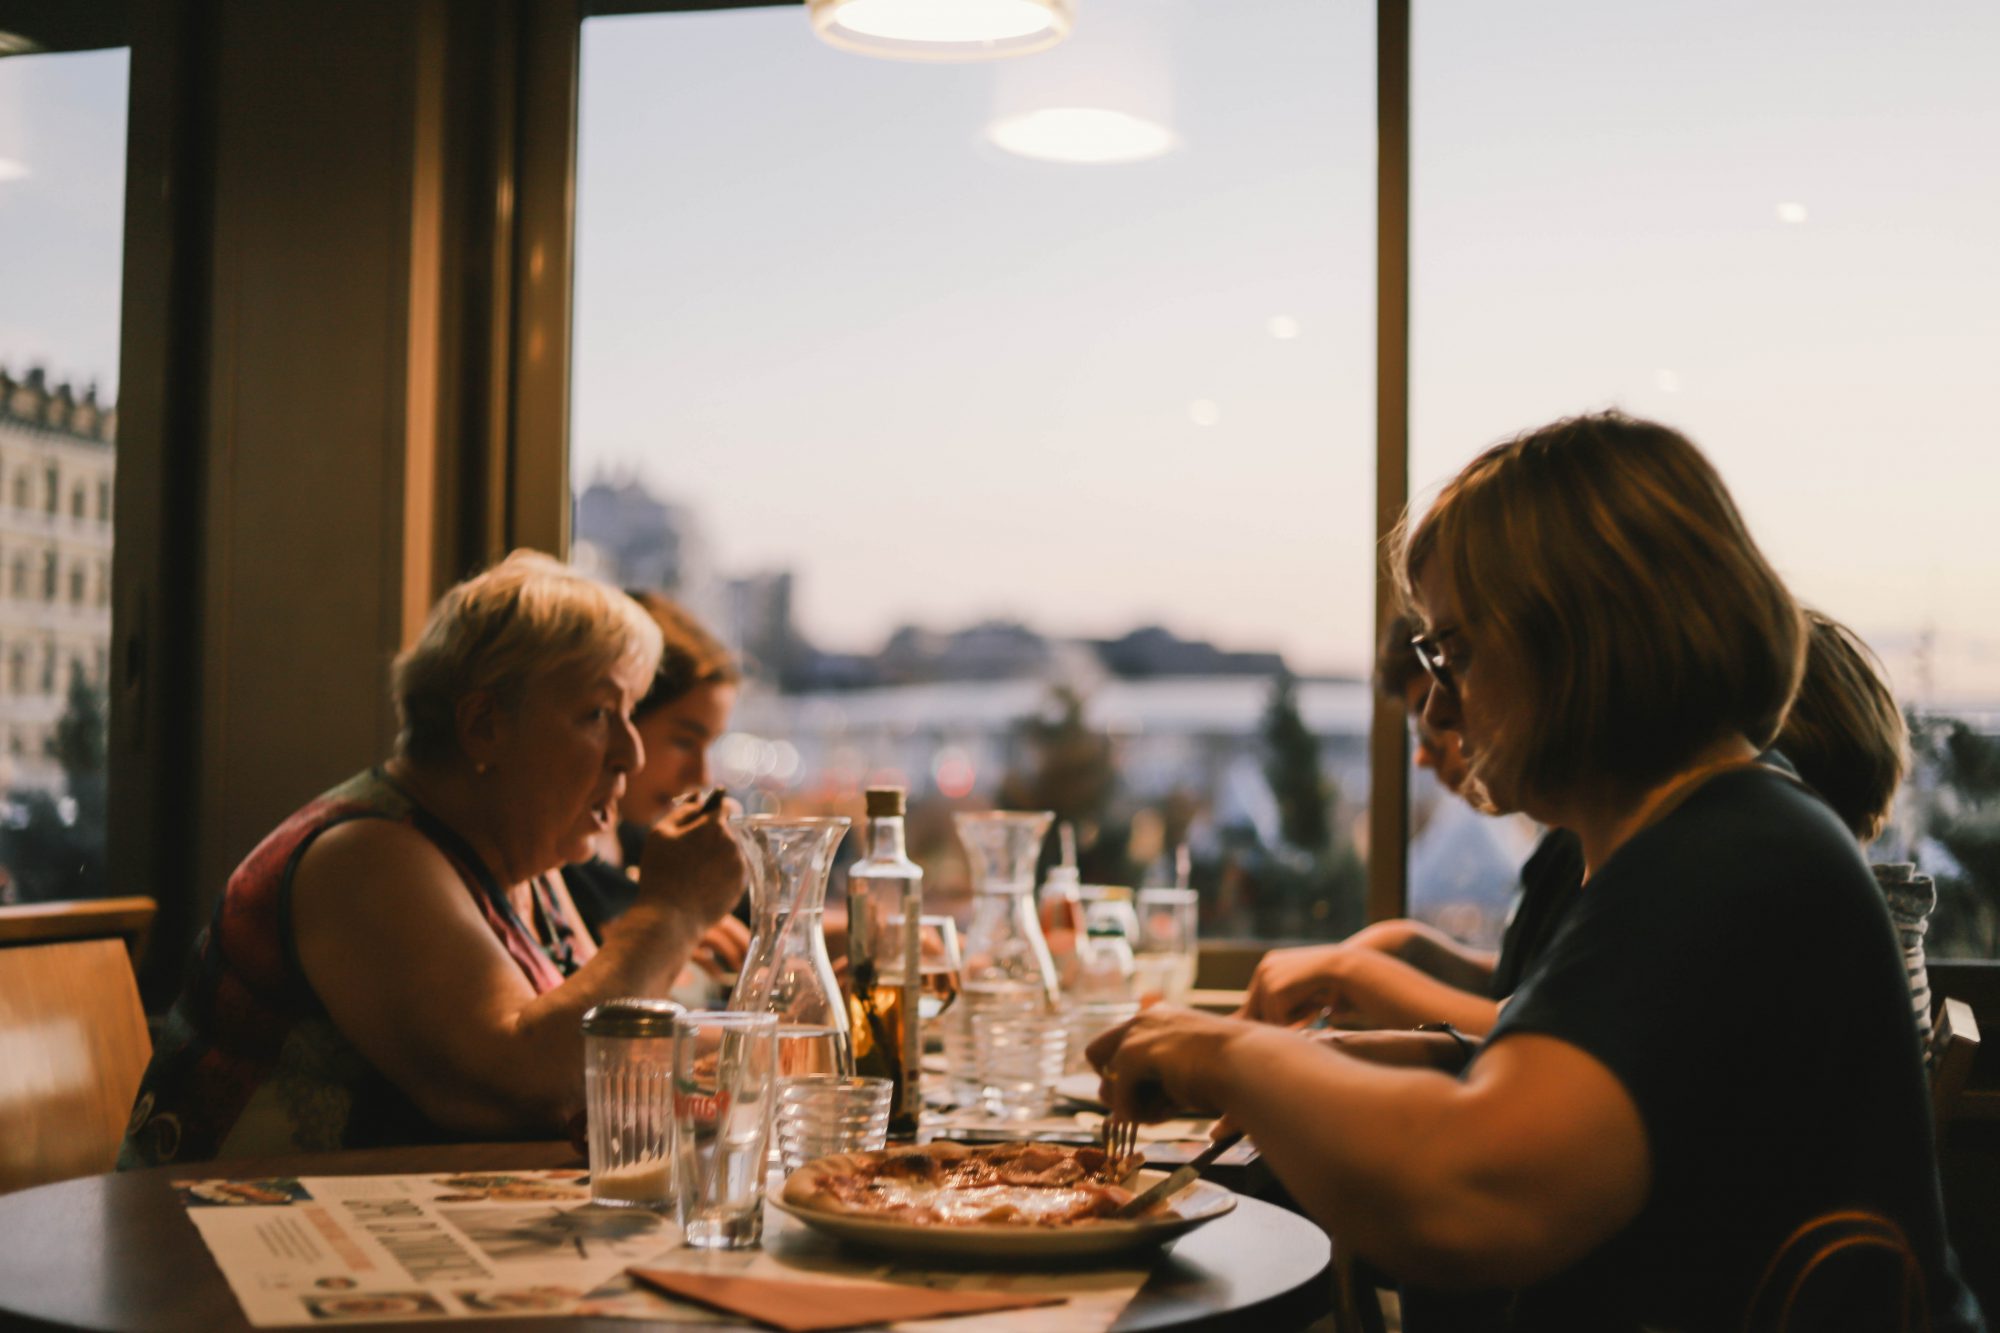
(885,971)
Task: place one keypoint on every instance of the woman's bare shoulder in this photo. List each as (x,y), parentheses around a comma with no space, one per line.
(369,858)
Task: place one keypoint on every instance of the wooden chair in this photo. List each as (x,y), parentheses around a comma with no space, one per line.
(73,1039)
(129,919)
(1954,1048)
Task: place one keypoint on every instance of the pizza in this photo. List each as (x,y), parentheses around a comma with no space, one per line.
(956,1185)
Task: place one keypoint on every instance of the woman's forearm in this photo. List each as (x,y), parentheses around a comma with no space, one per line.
(1394,994)
(690,874)
(1356,1143)
(1496,1179)
(643,951)
(1438,954)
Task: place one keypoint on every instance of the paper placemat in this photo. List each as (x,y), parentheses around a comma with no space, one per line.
(321,1250)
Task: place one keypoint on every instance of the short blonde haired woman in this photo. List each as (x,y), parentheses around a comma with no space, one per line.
(397,961)
(1717,1046)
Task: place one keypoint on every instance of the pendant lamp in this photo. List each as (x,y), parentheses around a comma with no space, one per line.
(942,29)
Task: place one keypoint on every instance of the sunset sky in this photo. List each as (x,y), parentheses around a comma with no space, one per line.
(817,304)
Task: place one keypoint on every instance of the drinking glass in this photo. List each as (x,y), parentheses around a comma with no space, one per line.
(938,963)
(1167,945)
(941,975)
(725,1073)
(1019,1058)
(823,1114)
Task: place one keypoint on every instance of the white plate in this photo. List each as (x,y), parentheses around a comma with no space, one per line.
(1080,1088)
(1197,1205)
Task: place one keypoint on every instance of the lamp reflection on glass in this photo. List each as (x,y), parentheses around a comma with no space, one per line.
(942,29)
(1106,97)
(1087,135)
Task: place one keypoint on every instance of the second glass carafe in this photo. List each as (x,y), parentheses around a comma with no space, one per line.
(1007,961)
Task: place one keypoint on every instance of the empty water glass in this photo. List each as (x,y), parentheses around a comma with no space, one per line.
(823,1114)
(725,1072)
(1019,1057)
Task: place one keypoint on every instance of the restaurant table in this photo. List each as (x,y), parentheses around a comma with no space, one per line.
(118,1252)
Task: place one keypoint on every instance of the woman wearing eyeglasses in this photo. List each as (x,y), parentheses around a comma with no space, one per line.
(1717,1048)
(1401,973)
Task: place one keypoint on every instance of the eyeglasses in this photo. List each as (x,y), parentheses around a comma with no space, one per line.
(1430,651)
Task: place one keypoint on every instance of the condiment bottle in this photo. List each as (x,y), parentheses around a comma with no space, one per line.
(628,1066)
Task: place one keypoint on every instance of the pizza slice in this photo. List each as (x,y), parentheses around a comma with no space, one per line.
(952,1184)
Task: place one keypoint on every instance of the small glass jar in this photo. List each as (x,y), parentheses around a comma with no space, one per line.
(628,1066)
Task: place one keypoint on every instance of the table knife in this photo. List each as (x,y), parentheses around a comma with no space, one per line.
(1182,1176)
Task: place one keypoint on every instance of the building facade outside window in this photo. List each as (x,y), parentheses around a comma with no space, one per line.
(62,163)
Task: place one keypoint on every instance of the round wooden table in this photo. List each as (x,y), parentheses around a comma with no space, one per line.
(118,1252)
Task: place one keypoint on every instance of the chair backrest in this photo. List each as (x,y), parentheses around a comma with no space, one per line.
(129,919)
(73,1046)
(1842,1271)
(1954,1048)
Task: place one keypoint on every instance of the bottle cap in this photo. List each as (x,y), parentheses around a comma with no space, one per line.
(633,1017)
(885,802)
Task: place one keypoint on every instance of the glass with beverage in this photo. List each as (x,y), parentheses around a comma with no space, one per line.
(725,1076)
(938,964)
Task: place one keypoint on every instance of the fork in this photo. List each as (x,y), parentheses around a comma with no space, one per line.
(1121,1145)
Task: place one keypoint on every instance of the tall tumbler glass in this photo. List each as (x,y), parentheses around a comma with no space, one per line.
(725,1078)
(1167,946)
(628,1065)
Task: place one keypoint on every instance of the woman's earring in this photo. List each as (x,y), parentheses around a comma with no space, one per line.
(480,768)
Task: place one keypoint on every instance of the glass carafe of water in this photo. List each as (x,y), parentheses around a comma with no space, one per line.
(1007,962)
(786,971)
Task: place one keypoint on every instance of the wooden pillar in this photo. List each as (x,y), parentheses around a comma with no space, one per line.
(345,384)
(1388,737)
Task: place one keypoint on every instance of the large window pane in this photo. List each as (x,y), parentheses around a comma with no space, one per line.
(62,185)
(942,436)
(1770,226)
